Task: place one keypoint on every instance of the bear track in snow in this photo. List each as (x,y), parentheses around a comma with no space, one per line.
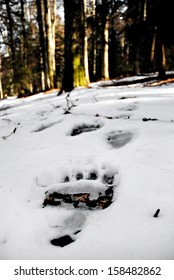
(80,194)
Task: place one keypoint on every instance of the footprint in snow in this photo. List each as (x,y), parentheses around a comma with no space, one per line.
(84,127)
(44,126)
(119,138)
(129,108)
(77,195)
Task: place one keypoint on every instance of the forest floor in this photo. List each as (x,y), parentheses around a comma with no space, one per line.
(89,174)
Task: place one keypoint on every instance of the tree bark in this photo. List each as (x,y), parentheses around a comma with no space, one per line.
(23,37)
(86,46)
(105,65)
(74,70)
(105,41)
(12,44)
(43,61)
(50,39)
(1,91)
(158,58)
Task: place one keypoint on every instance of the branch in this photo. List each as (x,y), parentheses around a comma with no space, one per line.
(70,104)
(5,137)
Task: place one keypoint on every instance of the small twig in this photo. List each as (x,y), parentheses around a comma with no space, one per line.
(70,104)
(5,137)
(156,213)
(95,98)
(149,119)
(125,117)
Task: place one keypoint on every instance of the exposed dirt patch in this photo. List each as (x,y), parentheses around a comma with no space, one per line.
(80,200)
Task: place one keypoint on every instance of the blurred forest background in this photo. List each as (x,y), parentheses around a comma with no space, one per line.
(47,44)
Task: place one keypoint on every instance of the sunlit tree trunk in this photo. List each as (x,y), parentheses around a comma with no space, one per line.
(74,70)
(105,64)
(53,28)
(153,49)
(94,39)
(50,39)
(104,41)
(86,46)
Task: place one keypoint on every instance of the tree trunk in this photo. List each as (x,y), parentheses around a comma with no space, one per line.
(105,41)
(74,70)
(105,64)
(23,37)
(86,66)
(160,56)
(94,43)
(50,39)
(53,28)
(44,66)
(12,44)
(1,91)
(158,45)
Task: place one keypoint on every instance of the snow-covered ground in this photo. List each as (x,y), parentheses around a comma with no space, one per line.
(123,134)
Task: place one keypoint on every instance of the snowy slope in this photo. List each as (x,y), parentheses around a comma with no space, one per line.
(128,135)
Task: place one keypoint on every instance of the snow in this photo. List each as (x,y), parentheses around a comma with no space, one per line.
(131,139)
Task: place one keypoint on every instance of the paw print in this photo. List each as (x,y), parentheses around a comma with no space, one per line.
(79,194)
